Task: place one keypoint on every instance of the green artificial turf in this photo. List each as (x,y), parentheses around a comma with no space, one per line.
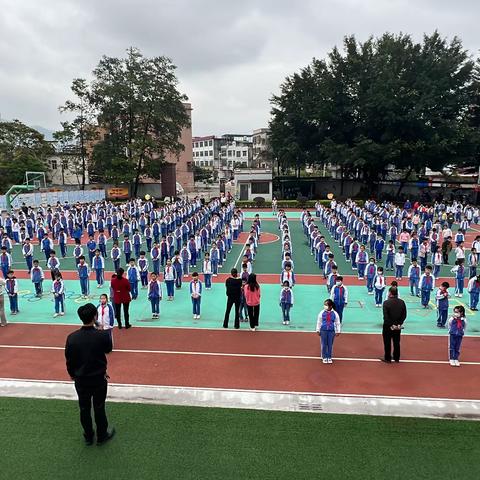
(41,439)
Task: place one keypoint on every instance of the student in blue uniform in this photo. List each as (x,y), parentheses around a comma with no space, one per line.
(196,295)
(371,274)
(11,287)
(442,297)
(286,301)
(98,265)
(169,279)
(27,251)
(459,271)
(414,278)
(5,261)
(37,276)
(83,275)
(154,294)
(328,327)
(339,296)
(133,275)
(379,284)
(456,329)
(426,284)
(115,255)
(58,290)
(143,267)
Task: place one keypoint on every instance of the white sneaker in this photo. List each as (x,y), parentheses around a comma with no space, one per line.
(325,360)
(62,314)
(452,363)
(457,363)
(55,315)
(330,360)
(460,295)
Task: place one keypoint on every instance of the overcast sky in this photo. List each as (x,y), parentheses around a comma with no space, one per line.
(231,55)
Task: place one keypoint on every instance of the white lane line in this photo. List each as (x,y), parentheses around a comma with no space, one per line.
(238,332)
(240,355)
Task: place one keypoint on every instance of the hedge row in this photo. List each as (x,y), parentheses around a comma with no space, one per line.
(286,203)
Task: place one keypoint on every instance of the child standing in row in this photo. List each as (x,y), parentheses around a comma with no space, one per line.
(154,294)
(286,301)
(196,295)
(11,287)
(339,296)
(83,275)
(37,276)
(399,263)
(379,284)
(328,327)
(442,297)
(58,290)
(456,329)
(474,291)
(427,284)
(105,314)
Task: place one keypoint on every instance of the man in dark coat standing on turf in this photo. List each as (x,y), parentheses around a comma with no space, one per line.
(394,314)
(233,287)
(85,354)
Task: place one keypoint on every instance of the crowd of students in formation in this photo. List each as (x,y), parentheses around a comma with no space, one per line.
(176,241)
(422,235)
(191,238)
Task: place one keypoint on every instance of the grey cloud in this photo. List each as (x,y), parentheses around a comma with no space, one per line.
(231,56)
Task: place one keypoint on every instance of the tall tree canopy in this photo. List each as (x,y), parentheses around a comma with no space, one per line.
(387,101)
(22,149)
(81,131)
(141,115)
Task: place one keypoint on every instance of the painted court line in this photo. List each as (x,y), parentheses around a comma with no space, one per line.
(239,355)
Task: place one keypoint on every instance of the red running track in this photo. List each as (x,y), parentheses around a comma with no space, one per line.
(265,361)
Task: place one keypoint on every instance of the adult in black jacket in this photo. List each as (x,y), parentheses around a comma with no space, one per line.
(233,287)
(394,314)
(85,354)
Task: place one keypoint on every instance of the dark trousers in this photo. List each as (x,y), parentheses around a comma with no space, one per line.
(389,337)
(253,314)
(118,314)
(96,394)
(230,302)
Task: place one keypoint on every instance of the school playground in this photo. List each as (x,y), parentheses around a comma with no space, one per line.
(180,361)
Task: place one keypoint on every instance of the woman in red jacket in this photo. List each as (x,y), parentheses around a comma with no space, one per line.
(252,298)
(120,291)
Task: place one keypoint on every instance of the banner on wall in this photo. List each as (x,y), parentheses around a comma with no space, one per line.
(120,193)
(50,198)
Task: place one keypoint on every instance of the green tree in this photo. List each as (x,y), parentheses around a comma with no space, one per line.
(22,149)
(80,132)
(385,102)
(140,112)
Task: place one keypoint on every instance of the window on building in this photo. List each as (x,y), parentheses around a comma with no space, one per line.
(230,153)
(238,153)
(244,153)
(210,143)
(64,164)
(201,154)
(211,153)
(54,164)
(201,144)
(260,187)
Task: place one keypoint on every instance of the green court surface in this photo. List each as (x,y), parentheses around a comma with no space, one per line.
(360,315)
(42,440)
